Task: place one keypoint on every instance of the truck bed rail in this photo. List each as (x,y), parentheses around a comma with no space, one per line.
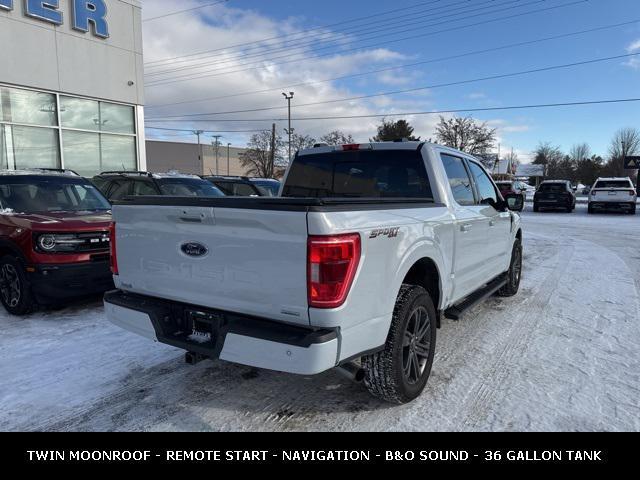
(281,203)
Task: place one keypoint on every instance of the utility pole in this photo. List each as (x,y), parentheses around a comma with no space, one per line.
(216,144)
(272,153)
(228,148)
(200,159)
(289,131)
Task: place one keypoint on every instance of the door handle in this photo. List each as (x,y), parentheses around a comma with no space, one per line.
(466,227)
(191,219)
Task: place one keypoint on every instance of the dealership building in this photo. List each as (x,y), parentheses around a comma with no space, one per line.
(71,85)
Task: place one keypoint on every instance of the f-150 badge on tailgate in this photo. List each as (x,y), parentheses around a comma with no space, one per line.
(194,249)
(385,232)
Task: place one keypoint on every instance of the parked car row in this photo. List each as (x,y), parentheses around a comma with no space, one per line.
(54,228)
(607,194)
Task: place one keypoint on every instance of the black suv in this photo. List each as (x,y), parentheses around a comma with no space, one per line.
(118,185)
(237,186)
(557,194)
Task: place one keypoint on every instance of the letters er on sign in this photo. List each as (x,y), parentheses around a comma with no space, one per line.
(83,13)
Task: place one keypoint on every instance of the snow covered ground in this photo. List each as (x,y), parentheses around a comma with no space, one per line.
(562,355)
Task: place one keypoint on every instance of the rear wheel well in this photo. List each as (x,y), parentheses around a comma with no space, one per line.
(424,273)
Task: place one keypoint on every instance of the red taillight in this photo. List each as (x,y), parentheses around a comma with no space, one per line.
(332,264)
(351,147)
(632,193)
(112,248)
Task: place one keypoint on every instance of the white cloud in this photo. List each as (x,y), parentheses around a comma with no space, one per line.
(634,47)
(633,62)
(216,28)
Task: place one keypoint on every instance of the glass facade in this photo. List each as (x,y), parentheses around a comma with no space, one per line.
(47,130)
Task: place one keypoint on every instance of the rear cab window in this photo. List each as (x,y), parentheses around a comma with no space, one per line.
(553,188)
(362,173)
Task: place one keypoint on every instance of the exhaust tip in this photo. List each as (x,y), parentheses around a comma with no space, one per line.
(351,371)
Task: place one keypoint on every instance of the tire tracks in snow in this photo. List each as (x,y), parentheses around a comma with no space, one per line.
(492,382)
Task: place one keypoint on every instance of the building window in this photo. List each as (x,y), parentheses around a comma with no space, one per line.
(27,107)
(3,150)
(81,152)
(113,148)
(34,147)
(93,136)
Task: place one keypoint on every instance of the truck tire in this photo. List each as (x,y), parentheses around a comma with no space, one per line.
(15,292)
(590,209)
(399,372)
(536,208)
(514,274)
(632,211)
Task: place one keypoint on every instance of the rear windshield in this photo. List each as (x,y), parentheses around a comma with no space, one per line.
(553,187)
(271,186)
(237,189)
(365,173)
(613,184)
(50,194)
(188,187)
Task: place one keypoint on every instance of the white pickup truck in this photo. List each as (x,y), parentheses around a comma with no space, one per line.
(352,267)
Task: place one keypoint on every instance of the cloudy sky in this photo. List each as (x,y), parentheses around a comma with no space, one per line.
(222,68)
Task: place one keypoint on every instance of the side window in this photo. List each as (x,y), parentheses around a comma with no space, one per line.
(227,188)
(119,191)
(485,187)
(458,179)
(243,190)
(143,188)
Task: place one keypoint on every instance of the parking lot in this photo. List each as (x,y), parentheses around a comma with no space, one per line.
(564,354)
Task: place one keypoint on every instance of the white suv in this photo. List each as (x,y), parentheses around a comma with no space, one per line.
(613,194)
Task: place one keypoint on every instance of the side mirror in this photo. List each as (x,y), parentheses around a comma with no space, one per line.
(515,202)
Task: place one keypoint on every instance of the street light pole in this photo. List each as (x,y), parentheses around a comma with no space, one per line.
(289,131)
(228,148)
(200,159)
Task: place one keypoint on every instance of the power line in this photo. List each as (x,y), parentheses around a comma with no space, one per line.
(289,46)
(190,131)
(292,34)
(407,114)
(184,11)
(308,57)
(260,62)
(417,89)
(387,69)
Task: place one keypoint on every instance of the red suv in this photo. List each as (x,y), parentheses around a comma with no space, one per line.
(54,239)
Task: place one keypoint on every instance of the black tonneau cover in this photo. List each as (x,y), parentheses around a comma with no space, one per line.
(282,203)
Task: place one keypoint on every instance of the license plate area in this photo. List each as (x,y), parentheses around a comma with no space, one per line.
(204,327)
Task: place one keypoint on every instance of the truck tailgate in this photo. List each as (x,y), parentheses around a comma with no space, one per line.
(254,263)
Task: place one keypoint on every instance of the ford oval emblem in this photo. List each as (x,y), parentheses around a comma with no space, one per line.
(194,249)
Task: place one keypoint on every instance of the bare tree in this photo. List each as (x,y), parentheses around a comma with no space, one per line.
(302,142)
(513,160)
(466,134)
(337,137)
(580,152)
(625,143)
(257,158)
(551,157)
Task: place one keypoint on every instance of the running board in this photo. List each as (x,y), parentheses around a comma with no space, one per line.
(455,312)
